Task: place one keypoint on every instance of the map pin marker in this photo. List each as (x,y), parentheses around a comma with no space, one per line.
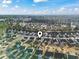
(39,34)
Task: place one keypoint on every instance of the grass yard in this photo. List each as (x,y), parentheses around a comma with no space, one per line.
(3,26)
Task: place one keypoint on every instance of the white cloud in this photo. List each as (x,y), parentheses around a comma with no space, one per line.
(36,1)
(7,1)
(5,6)
(43,12)
(16,6)
(61,9)
(33,5)
(17,0)
(76,9)
(57,11)
(65,11)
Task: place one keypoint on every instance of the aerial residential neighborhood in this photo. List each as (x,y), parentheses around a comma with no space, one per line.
(20,40)
(39,29)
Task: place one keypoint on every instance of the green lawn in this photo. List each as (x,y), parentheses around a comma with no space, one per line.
(3,26)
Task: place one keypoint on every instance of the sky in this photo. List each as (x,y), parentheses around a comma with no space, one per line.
(39,7)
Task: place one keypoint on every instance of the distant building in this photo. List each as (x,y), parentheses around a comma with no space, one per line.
(2,20)
(63,25)
(43,26)
(73,26)
(26,19)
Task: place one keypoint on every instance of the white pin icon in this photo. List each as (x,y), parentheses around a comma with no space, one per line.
(39,34)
